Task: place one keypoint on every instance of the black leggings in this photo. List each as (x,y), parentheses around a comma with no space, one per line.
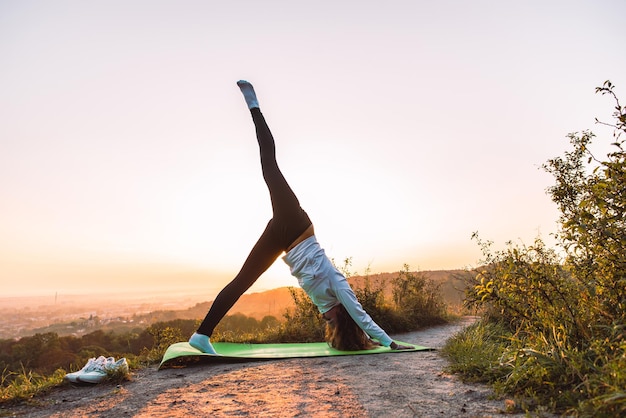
(288,222)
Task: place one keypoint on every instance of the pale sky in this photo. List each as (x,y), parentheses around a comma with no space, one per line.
(128,158)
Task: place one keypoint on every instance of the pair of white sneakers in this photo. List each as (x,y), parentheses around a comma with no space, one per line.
(97,369)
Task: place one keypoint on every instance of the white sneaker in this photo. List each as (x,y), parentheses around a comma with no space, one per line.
(97,369)
(92,372)
(120,366)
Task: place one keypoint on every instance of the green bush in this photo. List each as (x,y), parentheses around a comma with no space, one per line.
(418,301)
(564,311)
(302,324)
(164,335)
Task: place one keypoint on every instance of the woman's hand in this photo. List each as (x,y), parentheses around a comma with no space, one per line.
(395,346)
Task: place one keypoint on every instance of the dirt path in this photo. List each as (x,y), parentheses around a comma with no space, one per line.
(400,385)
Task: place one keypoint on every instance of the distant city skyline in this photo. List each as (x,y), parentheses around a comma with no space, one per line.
(128,159)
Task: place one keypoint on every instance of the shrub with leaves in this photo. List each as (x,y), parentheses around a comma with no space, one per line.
(164,335)
(566,309)
(418,301)
(303,323)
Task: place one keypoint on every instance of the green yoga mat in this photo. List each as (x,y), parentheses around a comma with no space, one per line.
(236,352)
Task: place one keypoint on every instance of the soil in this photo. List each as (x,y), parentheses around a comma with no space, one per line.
(409,384)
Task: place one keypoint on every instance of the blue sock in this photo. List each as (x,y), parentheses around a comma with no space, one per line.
(248,94)
(202,342)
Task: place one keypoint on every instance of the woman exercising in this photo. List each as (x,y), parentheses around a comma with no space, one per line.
(290,230)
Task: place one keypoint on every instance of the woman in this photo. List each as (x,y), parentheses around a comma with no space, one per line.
(290,230)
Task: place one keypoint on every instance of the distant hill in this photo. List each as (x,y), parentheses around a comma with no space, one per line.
(271,302)
(257,305)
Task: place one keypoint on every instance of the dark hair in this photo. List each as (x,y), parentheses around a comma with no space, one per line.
(345,334)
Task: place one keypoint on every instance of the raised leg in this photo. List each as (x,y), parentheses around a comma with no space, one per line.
(287,223)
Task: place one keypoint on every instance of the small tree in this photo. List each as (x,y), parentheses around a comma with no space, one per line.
(567,310)
(593,215)
(303,323)
(418,300)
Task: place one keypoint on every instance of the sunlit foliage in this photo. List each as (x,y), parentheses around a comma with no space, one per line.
(561,312)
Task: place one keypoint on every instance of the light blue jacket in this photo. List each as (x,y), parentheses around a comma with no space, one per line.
(327,287)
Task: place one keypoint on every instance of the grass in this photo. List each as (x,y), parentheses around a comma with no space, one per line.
(25,385)
(476,352)
(540,373)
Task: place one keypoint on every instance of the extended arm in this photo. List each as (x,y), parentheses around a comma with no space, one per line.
(348,299)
